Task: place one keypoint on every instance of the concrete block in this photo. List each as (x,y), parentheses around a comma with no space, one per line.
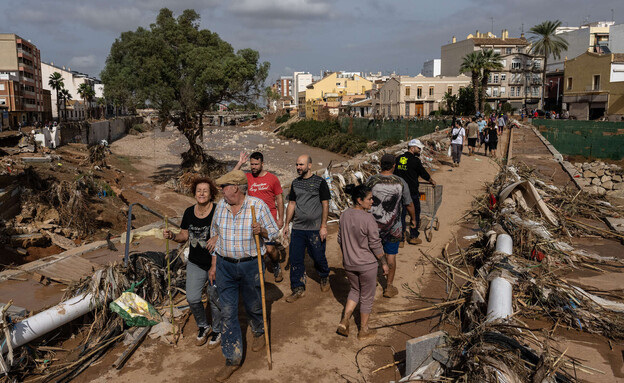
(420,351)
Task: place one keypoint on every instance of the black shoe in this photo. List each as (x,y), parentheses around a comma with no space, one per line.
(202,335)
(277,272)
(325,284)
(215,340)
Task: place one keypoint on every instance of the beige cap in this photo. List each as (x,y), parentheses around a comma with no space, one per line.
(235,177)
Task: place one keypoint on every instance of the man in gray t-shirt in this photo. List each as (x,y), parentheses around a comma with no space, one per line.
(307,209)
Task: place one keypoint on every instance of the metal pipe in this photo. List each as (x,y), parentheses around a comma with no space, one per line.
(129,226)
(499,300)
(40,324)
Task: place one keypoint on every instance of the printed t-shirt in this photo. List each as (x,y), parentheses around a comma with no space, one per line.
(199,234)
(265,188)
(390,193)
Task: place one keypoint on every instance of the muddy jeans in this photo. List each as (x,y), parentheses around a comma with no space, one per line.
(232,279)
(456,151)
(196,279)
(414,233)
(300,240)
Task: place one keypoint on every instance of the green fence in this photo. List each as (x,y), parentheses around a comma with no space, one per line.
(599,139)
(380,130)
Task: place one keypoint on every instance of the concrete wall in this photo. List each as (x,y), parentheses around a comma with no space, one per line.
(616,38)
(92,133)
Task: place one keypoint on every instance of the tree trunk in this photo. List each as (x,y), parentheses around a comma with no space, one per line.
(475,90)
(58,107)
(484,82)
(544,81)
(195,158)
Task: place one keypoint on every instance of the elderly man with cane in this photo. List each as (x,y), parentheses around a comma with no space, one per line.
(237,269)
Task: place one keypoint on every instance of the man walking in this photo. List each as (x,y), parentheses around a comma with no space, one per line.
(236,270)
(473,134)
(267,187)
(308,207)
(390,194)
(481,123)
(409,168)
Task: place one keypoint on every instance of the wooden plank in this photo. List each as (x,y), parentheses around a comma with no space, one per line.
(68,269)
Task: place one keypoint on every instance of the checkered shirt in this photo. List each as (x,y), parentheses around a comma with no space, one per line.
(236,238)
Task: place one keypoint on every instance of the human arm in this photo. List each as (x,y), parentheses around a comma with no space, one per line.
(181,237)
(242,158)
(290,213)
(375,244)
(212,272)
(279,202)
(265,225)
(412,213)
(323,230)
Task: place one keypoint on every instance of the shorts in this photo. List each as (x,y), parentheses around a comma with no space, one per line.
(493,145)
(270,243)
(391,248)
(472,142)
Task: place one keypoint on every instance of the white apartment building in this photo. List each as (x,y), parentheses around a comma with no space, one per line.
(432,68)
(300,81)
(71,80)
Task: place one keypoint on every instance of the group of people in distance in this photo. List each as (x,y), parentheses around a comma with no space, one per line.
(479,130)
(222,256)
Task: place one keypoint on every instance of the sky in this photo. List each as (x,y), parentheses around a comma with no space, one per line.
(294,35)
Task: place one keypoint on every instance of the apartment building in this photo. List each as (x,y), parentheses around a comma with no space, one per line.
(328,92)
(418,96)
(71,80)
(594,86)
(432,68)
(519,82)
(21,90)
(299,83)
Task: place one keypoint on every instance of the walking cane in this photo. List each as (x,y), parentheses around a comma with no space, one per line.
(264,315)
(173,329)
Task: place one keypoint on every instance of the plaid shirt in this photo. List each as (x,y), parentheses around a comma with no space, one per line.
(236,239)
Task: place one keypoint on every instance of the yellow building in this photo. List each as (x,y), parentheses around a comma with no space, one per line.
(594,86)
(331,89)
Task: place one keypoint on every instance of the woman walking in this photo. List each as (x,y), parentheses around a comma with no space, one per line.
(492,139)
(458,133)
(201,265)
(361,246)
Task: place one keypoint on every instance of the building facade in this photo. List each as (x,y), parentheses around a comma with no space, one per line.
(408,97)
(519,82)
(332,88)
(71,81)
(300,81)
(21,89)
(594,86)
(432,68)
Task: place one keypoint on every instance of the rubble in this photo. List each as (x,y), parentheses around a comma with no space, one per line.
(600,178)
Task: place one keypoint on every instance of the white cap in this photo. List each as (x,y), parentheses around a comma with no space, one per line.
(416,142)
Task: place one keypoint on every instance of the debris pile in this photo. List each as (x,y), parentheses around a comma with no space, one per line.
(601,178)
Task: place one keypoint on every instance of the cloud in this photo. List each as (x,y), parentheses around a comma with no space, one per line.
(281,11)
(89,61)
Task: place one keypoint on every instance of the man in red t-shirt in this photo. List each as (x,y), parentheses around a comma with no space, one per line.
(266,186)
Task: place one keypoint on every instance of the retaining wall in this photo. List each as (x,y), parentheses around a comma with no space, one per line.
(91,133)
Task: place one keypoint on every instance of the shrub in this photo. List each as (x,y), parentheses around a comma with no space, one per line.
(326,135)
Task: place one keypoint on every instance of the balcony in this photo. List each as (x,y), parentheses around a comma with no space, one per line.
(27,79)
(23,52)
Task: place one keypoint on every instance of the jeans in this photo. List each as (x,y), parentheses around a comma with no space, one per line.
(456,151)
(414,233)
(300,240)
(232,279)
(196,279)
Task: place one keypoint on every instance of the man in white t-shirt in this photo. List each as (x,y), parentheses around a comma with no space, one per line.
(458,134)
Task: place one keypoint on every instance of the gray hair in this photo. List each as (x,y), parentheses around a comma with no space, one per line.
(242,188)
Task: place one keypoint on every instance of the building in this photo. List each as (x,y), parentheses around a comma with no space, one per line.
(432,68)
(331,89)
(519,82)
(284,86)
(21,89)
(594,86)
(300,81)
(71,81)
(417,96)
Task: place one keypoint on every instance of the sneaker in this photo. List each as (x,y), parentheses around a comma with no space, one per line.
(325,284)
(277,273)
(390,291)
(343,327)
(215,340)
(402,244)
(368,333)
(225,372)
(258,343)
(202,335)
(414,241)
(296,294)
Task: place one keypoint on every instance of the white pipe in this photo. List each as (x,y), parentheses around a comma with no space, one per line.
(504,244)
(499,302)
(40,324)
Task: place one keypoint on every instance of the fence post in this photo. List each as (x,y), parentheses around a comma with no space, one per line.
(406,130)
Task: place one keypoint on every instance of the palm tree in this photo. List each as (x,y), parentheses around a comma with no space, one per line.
(102,106)
(87,93)
(472,63)
(545,43)
(491,62)
(65,96)
(451,102)
(56,82)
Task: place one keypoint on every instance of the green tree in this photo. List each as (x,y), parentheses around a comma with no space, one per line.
(270,95)
(451,102)
(87,93)
(490,62)
(473,64)
(65,96)
(544,42)
(56,82)
(465,103)
(182,71)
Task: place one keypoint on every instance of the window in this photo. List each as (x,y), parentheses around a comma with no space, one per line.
(569,83)
(502,89)
(450,90)
(407,90)
(537,64)
(516,64)
(495,78)
(3,101)
(504,63)
(497,51)
(596,82)
(431,90)
(503,76)
(1,86)
(508,50)
(419,92)
(495,92)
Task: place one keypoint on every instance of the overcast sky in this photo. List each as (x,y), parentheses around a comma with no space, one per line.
(301,35)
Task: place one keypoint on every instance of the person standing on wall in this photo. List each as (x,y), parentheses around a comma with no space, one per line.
(308,208)
(267,187)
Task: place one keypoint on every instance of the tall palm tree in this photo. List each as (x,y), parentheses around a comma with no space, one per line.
(87,93)
(491,62)
(545,43)
(473,63)
(56,82)
(65,96)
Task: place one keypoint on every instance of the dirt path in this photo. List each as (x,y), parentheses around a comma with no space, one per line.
(304,344)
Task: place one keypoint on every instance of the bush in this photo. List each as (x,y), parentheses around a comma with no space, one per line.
(326,135)
(283,118)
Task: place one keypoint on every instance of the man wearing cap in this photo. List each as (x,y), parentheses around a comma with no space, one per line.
(409,167)
(390,195)
(236,270)
(308,207)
